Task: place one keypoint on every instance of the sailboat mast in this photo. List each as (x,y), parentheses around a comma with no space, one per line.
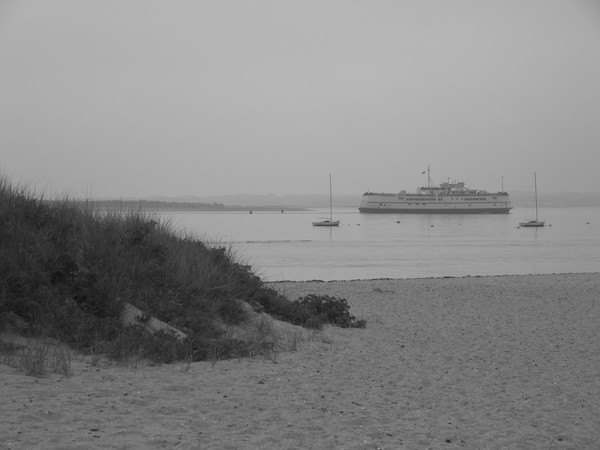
(330,200)
(535,187)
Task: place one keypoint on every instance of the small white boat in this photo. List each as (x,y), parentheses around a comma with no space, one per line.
(534,222)
(328,222)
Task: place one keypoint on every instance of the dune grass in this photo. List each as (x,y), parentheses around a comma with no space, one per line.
(67,270)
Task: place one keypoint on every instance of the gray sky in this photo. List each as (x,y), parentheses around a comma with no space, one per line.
(137,98)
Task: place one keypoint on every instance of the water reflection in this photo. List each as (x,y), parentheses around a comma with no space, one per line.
(287,246)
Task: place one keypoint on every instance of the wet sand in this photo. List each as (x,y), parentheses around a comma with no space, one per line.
(475,362)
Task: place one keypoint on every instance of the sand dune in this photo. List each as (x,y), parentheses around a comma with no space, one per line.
(475,362)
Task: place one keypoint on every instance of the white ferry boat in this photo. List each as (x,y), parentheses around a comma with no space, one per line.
(447,198)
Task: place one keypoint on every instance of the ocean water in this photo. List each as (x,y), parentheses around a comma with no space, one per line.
(285,246)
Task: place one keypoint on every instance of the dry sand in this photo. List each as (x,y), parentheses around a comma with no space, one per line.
(475,362)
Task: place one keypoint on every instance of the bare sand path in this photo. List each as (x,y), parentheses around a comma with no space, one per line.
(508,362)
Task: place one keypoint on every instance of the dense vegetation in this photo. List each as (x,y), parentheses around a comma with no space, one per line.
(67,271)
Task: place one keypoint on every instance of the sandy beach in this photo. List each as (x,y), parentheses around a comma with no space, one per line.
(506,362)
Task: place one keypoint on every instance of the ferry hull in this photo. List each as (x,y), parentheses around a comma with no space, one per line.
(456,203)
(457,210)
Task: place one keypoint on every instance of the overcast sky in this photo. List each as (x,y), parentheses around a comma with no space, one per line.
(137,98)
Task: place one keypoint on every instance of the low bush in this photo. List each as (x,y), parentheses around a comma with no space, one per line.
(328,309)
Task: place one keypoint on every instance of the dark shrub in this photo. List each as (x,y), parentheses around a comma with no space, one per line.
(323,309)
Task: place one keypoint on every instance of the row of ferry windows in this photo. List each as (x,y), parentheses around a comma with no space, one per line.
(433,199)
(387,205)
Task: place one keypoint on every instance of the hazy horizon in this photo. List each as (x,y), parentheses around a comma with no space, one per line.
(111,99)
(518,199)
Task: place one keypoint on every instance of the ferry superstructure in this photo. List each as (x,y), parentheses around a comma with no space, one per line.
(447,198)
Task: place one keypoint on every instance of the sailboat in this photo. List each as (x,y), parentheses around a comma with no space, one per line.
(328,222)
(534,222)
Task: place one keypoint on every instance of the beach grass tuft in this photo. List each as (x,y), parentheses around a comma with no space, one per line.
(68,270)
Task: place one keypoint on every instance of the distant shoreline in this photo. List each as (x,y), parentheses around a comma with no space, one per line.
(165,206)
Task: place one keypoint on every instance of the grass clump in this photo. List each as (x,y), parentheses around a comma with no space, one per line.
(37,357)
(67,271)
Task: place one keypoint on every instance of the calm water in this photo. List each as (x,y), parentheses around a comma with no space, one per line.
(287,247)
